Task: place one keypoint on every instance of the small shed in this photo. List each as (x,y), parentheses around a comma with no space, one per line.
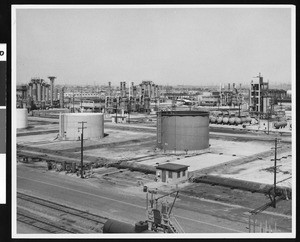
(118,119)
(171,173)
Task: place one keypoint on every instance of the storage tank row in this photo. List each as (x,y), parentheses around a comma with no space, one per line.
(231,120)
(182,130)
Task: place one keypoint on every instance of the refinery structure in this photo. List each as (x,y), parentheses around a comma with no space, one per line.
(153,122)
(159,148)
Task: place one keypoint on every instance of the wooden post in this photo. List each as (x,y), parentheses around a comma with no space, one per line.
(260,228)
(275,170)
(81,139)
(249,223)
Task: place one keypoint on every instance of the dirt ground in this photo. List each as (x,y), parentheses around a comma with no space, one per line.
(140,147)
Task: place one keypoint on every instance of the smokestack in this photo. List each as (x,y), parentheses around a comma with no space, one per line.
(61,98)
(38,84)
(121,89)
(132,87)
(228,86)
(124,89)
(47,92)
(43,90)
(30,89)
(56,94)
(52,88)
(109,88)
(34,92)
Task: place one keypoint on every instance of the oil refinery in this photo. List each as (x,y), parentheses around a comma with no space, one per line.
(155,151)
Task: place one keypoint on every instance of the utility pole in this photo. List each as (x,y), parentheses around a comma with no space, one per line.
(117,111)
(81,100)
(268,116)
(275,170)
(81,139)
(73,110)
(129,109)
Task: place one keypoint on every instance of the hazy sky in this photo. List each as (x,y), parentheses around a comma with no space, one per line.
(168,46)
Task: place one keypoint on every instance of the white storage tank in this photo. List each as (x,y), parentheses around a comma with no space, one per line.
(22,118)
(70,126)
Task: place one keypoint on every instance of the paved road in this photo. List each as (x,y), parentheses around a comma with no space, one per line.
(111,202)
(195,216)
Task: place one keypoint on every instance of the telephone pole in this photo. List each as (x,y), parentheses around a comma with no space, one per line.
(81,139)
(275,170)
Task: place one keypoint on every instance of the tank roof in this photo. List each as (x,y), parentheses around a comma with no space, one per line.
(172,167)
(184,113)
(82,114)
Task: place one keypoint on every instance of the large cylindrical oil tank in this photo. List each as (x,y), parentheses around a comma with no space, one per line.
(70,125)
(22,118)
(183,130)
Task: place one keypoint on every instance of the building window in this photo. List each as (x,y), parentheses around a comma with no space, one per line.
(183,173)
(178,174)
(170,174)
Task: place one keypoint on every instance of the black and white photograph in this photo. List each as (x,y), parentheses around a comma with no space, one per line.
(153,121)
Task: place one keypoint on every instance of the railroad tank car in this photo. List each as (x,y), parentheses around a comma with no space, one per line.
(22,118)
(70,126)
(183,130)
(115,226)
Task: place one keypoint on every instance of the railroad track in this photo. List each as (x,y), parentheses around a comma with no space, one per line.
(70,220)
(42,224)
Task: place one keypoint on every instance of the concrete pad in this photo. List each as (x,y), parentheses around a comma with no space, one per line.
(203,161)
(261,171)
(238,148)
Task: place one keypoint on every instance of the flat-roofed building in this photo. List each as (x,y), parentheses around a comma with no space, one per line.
(171,173)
